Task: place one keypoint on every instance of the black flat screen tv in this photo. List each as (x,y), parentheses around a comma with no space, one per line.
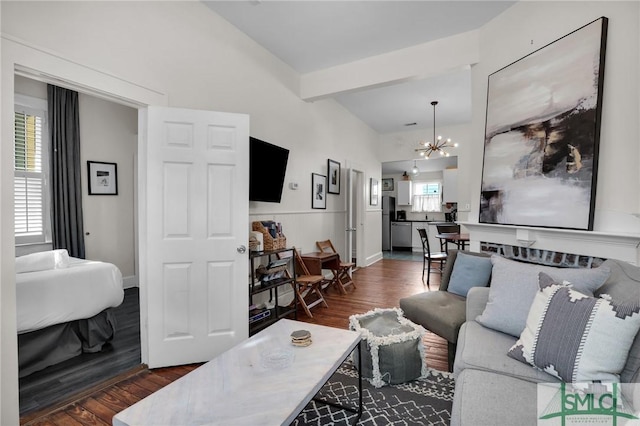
(267,167)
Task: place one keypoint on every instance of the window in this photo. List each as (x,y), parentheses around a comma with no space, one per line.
(31,196)
(427,197)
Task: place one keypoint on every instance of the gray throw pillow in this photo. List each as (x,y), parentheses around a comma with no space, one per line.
(575,337)
(469,271)
(514,285)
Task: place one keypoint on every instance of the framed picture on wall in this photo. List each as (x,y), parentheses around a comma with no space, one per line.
(333,172)
(103,178)
(387,184)
(373,192)
(318,191)
(542,134)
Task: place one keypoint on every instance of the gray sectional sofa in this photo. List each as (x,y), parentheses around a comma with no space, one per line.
(493,388)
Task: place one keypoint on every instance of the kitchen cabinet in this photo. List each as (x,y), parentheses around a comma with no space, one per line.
(416,242)
(404,192)
(450,185)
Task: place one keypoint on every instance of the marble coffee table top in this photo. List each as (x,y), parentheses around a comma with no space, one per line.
(239,388)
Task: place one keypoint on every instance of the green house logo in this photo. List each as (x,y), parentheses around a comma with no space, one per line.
(592,403)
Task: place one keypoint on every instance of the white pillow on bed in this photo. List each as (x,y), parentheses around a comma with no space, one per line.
(42,261)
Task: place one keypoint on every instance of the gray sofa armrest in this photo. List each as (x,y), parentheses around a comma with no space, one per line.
(476,302)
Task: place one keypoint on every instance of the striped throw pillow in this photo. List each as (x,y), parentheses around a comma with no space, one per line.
(575,337)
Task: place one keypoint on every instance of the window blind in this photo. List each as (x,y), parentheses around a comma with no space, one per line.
(29,178)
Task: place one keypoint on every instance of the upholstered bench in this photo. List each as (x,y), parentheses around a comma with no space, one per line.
(392,348)
(443,312)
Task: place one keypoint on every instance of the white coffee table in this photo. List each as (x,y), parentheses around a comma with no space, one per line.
(235,388)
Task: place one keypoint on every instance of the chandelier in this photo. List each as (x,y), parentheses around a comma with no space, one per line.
(438,144)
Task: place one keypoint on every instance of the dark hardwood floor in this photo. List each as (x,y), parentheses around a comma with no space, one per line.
(54,384)
(379,286)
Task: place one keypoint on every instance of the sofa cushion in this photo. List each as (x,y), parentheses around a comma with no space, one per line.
(450,263)
(469,271)
(438,311)
(576,337)
(485,349)
(624,282)
(486,398)
(514,285)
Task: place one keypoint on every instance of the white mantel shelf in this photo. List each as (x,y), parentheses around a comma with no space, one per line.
(609,245)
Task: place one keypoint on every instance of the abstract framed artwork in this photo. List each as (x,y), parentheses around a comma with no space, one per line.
(103,178)
(333,172)
(318,191)
(542,134)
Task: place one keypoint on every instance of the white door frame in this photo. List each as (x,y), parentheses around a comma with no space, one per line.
(356,205)
(19,57)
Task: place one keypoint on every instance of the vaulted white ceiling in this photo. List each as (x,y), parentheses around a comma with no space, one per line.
(315,35)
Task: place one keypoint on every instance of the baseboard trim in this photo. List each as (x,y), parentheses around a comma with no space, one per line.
(130,281)
(373,259)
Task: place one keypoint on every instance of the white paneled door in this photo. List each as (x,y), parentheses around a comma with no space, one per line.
(193,221)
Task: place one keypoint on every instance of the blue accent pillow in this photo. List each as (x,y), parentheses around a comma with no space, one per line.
(469,271)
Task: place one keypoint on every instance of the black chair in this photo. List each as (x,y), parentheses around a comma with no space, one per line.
(447,229)
(428,256)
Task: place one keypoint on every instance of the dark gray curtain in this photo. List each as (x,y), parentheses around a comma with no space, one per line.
(66,190)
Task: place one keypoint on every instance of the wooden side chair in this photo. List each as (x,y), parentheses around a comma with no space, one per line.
(306,285)
(428,257)
(447,229)
(342,274)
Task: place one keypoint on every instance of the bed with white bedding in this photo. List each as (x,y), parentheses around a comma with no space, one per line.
(63,307)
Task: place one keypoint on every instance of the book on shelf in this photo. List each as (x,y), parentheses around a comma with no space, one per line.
(258,314)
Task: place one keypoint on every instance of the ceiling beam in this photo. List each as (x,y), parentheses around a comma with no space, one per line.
(413,63)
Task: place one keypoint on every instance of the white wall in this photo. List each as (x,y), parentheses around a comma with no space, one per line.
(520,30)
(108,133)
(186,52)
(527,26)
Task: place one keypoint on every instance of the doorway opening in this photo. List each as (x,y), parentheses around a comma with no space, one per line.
(355,209)
(108,132)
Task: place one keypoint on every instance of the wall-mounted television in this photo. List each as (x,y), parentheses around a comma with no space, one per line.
(267,167)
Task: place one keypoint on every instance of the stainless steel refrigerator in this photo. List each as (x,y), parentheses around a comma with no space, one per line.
(388,215)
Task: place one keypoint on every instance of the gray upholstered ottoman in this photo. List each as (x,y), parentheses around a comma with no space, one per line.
(392,348)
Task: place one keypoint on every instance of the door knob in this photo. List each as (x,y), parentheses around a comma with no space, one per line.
(241,249)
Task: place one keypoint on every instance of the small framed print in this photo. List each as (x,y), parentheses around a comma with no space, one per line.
(318,191)
(373,192)
(387,184)
(103,178)
(333,172)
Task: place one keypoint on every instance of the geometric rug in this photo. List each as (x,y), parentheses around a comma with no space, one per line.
(425,401)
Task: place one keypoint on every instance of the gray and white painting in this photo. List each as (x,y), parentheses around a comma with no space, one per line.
(541,137)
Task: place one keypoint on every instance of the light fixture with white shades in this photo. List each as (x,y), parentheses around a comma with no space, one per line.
(415,170)
(438,144)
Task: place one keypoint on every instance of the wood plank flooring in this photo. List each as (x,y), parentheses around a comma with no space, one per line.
(380,285)
(54,384)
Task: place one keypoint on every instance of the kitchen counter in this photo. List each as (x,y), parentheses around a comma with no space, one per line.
(433,222)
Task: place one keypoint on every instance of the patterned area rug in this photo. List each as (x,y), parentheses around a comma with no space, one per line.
(420,402)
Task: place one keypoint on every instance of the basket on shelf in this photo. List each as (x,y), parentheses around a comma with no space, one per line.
(269,242)
(254,244)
